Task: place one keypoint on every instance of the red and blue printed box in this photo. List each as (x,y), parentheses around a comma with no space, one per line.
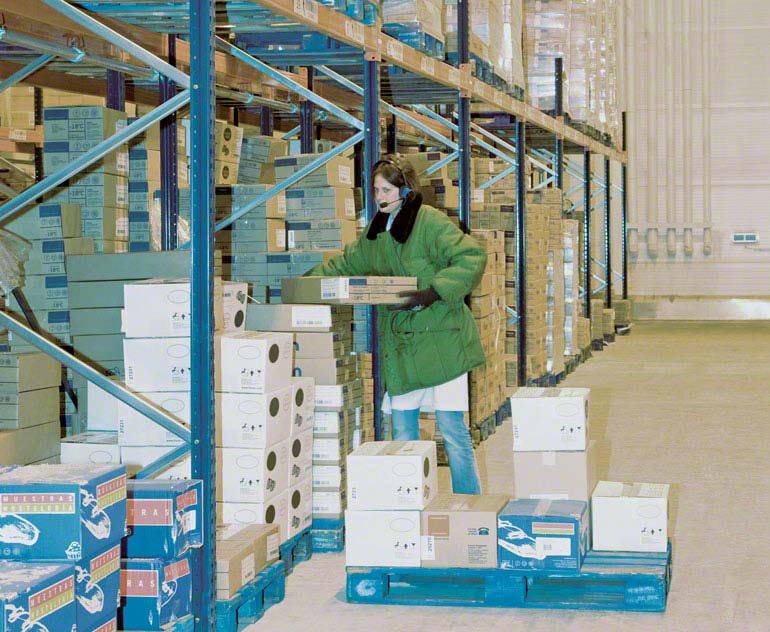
(548,535)
(107,625)
(164,518)
(61,512)
(154,592)
(97,588)
(36,597)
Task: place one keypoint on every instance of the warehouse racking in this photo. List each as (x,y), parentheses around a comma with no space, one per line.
(175,53)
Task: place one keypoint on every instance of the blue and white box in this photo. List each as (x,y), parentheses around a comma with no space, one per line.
(37,597)
(97,588)
(164,518)
(549,535)
(154,592)
(61,512)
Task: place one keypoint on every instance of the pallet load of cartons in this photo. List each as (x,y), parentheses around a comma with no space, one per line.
(68,548)
(597,323)
(556,286)
(17,112)
(29,408)
(227,153)
(572,303)
(165,521)
(608,325)
(364,431)
(416,24)
(102,189)
(257,160)
(622,309)
(487,383)
(156,323)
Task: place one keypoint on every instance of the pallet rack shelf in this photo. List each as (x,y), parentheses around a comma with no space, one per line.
(189,45)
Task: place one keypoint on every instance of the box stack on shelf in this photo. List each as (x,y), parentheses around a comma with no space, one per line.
(227,156)
(101,190)
(597,322)
(487,383)
(71,546)
(365,412)
(29,407)
(556,317)
(608,324)
(158,547)
(622,309)
(572,302)
(513,55)
(257,160)
(415,23)
(17,112)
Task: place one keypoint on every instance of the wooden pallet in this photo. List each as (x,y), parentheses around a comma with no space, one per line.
(297,549)
(250,602)
(607,581)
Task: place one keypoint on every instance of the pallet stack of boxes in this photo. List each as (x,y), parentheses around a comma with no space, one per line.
(597,323)
(243,551)
(418,24)
(257,160)
(29,408)
(364,430)
(572,303)
(622,309)
(227,147)
(608,324)
(165,521)
(61,545)
(17,111)
(556,316)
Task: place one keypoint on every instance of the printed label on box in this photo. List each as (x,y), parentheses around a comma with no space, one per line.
(335,288)
(311,316)
(553,546)
(428,551)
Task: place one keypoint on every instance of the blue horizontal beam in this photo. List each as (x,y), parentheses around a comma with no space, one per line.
(91,156)
(22,74)
(274,74)
(92,375)
(122,42)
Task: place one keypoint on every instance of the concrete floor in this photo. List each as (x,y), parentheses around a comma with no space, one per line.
(684,403)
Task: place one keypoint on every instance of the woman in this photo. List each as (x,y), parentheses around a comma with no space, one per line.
(428,342)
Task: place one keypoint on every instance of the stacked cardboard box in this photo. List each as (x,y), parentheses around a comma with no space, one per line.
(243,551)
(258,154)
(227,147)
(608,323)
(165,521)
(556,286)
(389,483)
(17,111)
(422,15)
(597,319)
(17,107)
(622,309)
(584,333)
(29,407)
(80,533)
(374,290)
(365,412)
(487,383)
(101,190)
(156,321)
(572,303)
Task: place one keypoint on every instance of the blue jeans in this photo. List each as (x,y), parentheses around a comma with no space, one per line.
(457,440)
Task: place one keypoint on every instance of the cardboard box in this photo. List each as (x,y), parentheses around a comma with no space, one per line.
(157,364)
(252,475)
(236,565)
(263,148)
(28,372)
(48,221)
(30,445)
(543,535)
(160,308)
(346,290)
(329,477)
(333,422)
(155,592)
(257,362)
(270,512)
(630,516)
(248,420)
(301,457)
(89,513)
(90,447)
(102,410)
(327,370)
(295,318)
(165,518)
(328,503)
(97,588)
(337,396)
(382,538)
(550,419)
(337,172)
(325,234)
(28,408)
(392,475)
(321,345)
(460,531)
(314,203)
(137,457)
(555,475)
(300,515)
(48,590)
(302,414)
(136,429)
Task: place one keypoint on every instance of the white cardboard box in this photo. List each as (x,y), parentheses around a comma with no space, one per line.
(382,538)
(392,475)
(253,362)
(90,447)
(300,510)
(157,364)
(136,429)
(102,409)
(302,404)
(161,307)
(328,476)
(555,475)
(328,502)
(273,511)
(300,457)
(630,516)
(252,475)
(250,420)
(546,419)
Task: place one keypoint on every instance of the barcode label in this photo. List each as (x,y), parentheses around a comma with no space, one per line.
(553,546)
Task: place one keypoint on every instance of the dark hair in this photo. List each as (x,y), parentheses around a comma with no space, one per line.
(399,172)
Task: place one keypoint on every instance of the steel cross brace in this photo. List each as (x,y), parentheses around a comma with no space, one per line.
(22,74)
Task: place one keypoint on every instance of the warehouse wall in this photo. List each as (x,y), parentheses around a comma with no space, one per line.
(698,149)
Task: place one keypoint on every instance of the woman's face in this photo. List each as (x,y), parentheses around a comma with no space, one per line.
(387,194)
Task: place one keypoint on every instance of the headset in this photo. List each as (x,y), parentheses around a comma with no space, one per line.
(404,191)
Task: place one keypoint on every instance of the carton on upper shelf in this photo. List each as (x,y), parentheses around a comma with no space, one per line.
(346,290)
(90,447)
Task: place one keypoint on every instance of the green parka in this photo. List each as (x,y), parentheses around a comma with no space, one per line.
(419,349)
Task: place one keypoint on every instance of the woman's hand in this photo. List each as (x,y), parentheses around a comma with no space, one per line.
(416,298)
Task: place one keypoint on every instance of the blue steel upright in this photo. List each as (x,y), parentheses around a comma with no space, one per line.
(202,106)
(371,156)
(116,90)
(587,261)
(306,126)
(607,233)
(521,255)
(266,121)
(169,183)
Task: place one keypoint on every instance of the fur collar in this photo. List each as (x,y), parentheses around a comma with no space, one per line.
(402,225)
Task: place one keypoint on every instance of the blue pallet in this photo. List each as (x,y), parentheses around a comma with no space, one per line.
(328,540)
(185,624)
(631,582)
(297,549)
(250,602)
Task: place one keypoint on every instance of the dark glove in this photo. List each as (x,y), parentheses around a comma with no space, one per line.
(415,298)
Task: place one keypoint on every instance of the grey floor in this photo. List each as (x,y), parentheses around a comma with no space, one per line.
(684,403)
